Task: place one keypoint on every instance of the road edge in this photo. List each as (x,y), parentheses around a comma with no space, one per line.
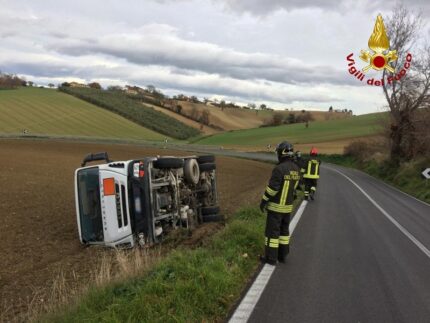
(246,306)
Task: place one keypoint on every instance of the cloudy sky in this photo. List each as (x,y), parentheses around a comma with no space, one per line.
(285,53)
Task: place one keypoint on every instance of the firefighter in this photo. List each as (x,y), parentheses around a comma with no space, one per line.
(278,200)
(311,174)
(301,163)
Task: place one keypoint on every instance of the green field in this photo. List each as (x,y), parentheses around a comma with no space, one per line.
(49,112)
(318,132)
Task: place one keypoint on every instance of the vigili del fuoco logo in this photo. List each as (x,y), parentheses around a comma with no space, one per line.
(379,58)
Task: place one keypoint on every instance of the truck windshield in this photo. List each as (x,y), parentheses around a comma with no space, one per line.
(89,205)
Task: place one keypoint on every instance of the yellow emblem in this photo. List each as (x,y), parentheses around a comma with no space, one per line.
(379,44)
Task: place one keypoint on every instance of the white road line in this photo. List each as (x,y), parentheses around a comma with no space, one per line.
(389,217)
(245,308)
(386,184)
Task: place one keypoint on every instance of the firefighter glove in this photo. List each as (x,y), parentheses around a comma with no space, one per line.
(263,205)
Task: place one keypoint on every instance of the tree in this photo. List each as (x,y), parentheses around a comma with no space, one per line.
(51,85)
(114,88)
(277,118)
(95,85)
(222,105)
(411,92)
(291,118)
(150,88)
(30,83)
(204,119)
(330,109)
(10,81)
(263,106)
(252,106)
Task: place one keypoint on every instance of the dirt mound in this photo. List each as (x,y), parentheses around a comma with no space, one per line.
(37,211)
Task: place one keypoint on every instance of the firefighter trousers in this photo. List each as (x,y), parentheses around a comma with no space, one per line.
(310,186)
(277,240)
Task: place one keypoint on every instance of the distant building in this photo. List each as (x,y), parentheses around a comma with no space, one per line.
(76,84)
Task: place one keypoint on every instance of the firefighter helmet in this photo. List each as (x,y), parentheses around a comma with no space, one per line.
(284,150)
(314,152)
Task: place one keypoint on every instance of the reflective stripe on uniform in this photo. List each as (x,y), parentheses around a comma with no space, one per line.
(284,240)
(265,198)
(284,192)
(309,173)
(270,192)
(271,242)
(279,208)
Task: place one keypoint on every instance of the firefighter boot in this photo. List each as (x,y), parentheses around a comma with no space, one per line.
(272,246)
(284,248)
(313,189)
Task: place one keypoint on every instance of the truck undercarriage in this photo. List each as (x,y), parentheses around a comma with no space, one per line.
(119,204)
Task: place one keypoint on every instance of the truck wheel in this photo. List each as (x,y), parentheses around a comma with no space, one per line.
(206,159)
(207,167)
(169,162)
(212,218)
(191,171)
(209,210)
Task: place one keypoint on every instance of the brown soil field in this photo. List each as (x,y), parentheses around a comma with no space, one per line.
(38,223)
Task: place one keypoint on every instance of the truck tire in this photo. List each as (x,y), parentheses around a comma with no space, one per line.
(206,159)
(207,167)
(209,210)
(191,171)
(212,218)
(169,162)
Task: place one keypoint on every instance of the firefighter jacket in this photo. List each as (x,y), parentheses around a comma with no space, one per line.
(281,189)
(302,163)
(312,169)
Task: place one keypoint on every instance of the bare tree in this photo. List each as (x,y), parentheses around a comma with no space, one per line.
(405,95)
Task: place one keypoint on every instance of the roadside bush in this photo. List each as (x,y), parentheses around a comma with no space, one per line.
(358,150)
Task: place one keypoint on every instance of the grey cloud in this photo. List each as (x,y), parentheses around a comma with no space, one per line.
(164,48)
(262,8)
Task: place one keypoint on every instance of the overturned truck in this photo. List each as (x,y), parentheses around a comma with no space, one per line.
(124,203)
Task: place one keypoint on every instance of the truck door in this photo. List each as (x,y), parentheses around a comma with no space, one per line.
(115,208)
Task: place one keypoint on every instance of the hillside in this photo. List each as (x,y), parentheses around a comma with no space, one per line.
(206,130)
(49,112)
(330,136)
(121,104)
(231,118)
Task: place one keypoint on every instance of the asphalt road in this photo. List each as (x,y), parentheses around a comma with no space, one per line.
(352,260)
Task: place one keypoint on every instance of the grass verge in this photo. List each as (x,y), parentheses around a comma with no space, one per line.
(407,177)
(198,285)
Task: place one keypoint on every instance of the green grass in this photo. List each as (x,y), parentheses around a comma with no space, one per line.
(406,177)
(119,103)
(49,112)
(199,285)
(320,131)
